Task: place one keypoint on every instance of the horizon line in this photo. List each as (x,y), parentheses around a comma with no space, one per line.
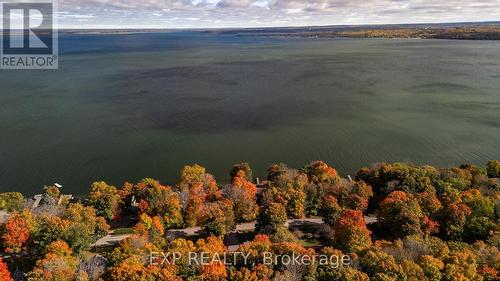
(283,26)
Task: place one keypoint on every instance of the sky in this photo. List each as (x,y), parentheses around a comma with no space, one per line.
(262,13)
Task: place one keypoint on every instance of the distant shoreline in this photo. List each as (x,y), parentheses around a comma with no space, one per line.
(450,31)
(456,31)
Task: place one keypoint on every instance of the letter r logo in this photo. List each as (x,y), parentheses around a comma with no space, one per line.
(27,28)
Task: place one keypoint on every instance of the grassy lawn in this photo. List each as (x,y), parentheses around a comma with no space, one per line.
(309,243)
(123,230)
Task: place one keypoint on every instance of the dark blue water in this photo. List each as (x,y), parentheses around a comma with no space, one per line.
(125,107)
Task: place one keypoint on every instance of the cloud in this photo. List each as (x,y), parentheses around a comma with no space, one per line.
(129,4)
(242,13)
(235,3)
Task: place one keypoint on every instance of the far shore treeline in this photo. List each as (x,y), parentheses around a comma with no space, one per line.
(392,221)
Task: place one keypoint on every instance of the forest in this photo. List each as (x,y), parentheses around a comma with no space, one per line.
(449,31)
(393,221)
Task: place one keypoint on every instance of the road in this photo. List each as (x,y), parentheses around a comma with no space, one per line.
(111,239)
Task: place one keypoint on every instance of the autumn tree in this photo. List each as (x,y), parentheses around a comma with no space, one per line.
(132,247)
(287,188)
(488,256)
(172,211)
(386,178)
(400,215)
(453,219)
(242,274)
(84,228)
(214,270)
(331,271)
(284,248)
(245,206)
(160,200)
(480,205)
(330,210)
(183,247)
(51,228)
(276,171)
(380,265)
(242,167)
(429,203)
(131,269)
(320,172)
(195,187)
(241,181)
(271,217)
(4,272)
(314,199)
(255,250)
(493,169)
(15,233)
(412,271)
(218,218)
(243,194)
(350,194)
(461,265)
(105,199)
(151,227)
(160,273)
(128,263)
(31,221)
(11,201)
(481,221)
(191,175)
(432,267)
(59,264)
(351,233)
(293,199)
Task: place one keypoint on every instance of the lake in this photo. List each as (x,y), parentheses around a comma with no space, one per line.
(125,107)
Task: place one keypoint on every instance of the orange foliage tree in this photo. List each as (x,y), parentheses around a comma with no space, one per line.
(351,233)
(194,185)
(320,172)
(215,271)
(155,199)
(4,272)
(130,269)
(351,194)
(454,219)
(243,194)
(16,233)
(59,264)
(218,218)
(150,227)
(400,214)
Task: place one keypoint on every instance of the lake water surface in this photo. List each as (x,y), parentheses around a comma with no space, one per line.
(125,107)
